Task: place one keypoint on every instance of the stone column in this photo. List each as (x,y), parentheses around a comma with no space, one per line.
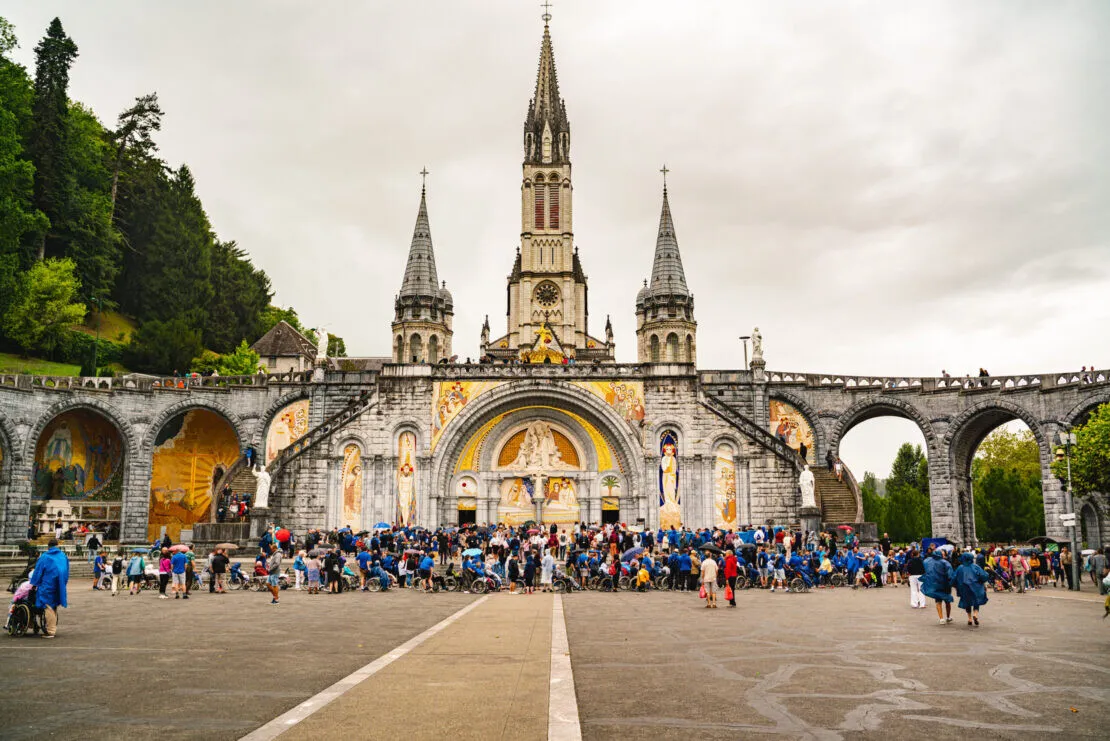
(135,509)
(943,497)
(17,507)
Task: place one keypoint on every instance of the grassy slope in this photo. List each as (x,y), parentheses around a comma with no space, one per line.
(114,326)
(35,366)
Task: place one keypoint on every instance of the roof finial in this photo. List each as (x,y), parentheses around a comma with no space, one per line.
(423,179)
(546,12)
(664,170)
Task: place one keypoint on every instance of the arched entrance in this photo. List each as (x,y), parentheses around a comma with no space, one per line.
(966,433)
(78,473)
(548,452)
(189,450)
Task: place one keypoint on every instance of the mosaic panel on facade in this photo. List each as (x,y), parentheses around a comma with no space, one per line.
(450,397)
(79,456)
(289,425)
(790,425)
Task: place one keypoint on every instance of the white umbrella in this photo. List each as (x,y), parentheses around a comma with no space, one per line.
(946,547)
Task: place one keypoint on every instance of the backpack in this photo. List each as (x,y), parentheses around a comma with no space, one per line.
(117,566)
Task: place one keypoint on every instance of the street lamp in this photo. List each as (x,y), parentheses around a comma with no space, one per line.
(1067,439)
(745,339)
(99,316)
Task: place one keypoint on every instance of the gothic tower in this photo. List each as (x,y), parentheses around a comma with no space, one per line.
(547,304)
(423,309)
(665,328)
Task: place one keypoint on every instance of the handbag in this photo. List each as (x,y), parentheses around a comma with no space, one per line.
(701,593)
(728,594)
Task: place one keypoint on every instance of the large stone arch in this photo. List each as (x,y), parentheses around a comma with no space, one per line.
(536,392)
(132,457)
(126,430)
(820,437)
(962,438)
(880,406)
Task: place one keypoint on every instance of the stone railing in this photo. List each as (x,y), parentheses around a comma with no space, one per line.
(535,370)
(27,382)
(940,383)
(754,431)
(853,486)
(323,431)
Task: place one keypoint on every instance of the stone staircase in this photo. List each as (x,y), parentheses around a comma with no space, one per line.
(836,499)
(324,430)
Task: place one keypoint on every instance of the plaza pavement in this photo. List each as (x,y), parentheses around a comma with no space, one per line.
(824,665)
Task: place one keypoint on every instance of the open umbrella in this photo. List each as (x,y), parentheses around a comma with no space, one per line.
(412,551)
(533,531)
(631,553)
(472,552)
(710,548)
(382,526)
(179,548)
(362,533)
(140,550)
(844,527)
(226,546)
(946,547)
(283,535)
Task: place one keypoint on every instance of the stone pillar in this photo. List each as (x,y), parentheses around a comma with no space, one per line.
(810,518)
(17,505)
(135,509)
(943,497)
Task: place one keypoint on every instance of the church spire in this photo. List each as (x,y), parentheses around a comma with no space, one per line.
(546,128)
(667,276)
(420,271)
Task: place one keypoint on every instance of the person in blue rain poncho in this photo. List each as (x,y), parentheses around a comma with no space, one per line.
(937,583)
(49,580)
(969,579)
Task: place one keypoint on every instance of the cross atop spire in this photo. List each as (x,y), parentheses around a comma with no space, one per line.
(424,178)
(666,274)
(664,170)
(546,12)
(420,270)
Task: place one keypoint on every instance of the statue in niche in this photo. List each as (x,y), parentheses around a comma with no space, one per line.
(538,452)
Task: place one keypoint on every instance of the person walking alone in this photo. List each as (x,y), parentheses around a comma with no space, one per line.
(163,573)
(273,566)
(915,567)
(49,579)
(732,570)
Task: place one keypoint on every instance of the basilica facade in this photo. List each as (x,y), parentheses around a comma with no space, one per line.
(547,427)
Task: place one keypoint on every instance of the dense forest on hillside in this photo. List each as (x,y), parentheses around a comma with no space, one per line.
(94,223)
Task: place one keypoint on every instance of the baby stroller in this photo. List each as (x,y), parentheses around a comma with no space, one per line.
(1000,580)
(22,613)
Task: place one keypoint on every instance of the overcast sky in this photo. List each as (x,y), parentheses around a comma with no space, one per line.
(881,188)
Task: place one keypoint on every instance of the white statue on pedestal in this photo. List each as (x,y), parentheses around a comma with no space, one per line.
(261,487)
(806,481)
(321,344)
(757,344)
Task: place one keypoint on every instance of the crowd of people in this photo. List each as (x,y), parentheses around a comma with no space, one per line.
(609,557)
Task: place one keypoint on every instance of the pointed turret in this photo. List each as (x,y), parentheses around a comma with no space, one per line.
(665,326)
(423,309)
(420,271)
(666,273)
(546,127)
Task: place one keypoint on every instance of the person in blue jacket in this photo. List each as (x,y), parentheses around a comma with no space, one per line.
(969,579)
(49,580)
(937,583)
(377,572)
(426,565)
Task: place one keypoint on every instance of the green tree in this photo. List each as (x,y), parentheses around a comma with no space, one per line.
(874,506)
(54,56)
(271,315)
(242,362)
(133,134)
(1008,505)
(337,348)
(163,347)
(44,306)
(910,469)
(240,296)
(86,226)
(1090,456)
(1011,450)
(907,513)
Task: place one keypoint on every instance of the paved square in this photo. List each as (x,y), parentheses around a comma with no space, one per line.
(824,665)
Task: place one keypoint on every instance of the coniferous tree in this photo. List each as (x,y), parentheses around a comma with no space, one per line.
(86,224)
(54,56)
(133,134)
(241,294)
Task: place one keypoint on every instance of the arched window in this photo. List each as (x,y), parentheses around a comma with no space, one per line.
(538,192)
(553,205)
(672,348)
(433,349)
(654,347)
(416,349)
(690,348)
(399,351)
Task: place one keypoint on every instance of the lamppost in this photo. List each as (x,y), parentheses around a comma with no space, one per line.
(1067,439)
(745,339)
(99,316)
